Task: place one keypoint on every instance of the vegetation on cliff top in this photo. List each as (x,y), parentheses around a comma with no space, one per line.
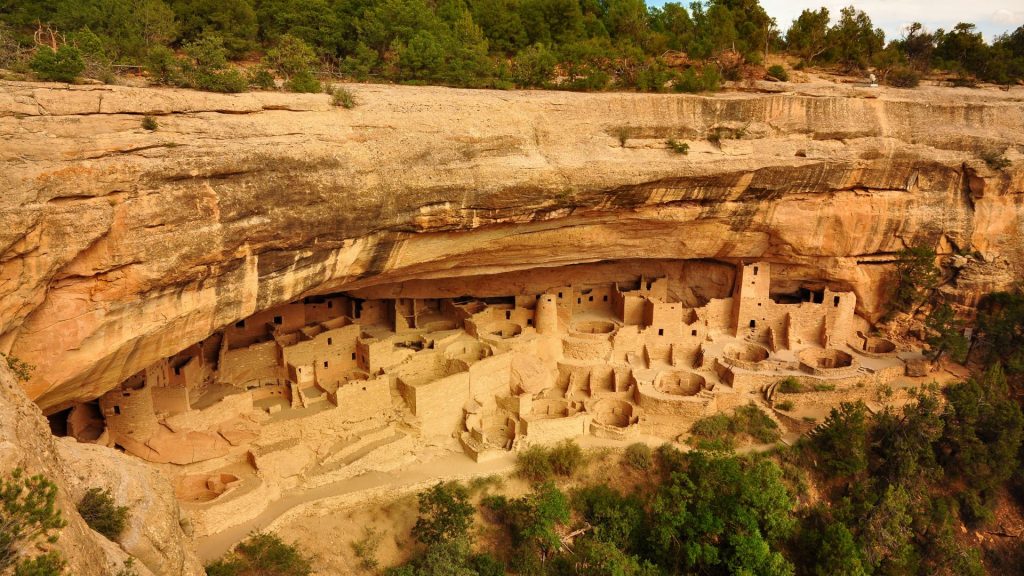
(568,44)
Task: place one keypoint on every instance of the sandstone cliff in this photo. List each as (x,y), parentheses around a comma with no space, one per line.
(119,246)
(153,535)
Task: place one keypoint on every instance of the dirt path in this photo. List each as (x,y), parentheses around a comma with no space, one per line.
(444,467)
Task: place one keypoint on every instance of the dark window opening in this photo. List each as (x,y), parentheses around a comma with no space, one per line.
(325,364)
(240,324)
(661,331)
(579,300)
(648,285)
(605,299)
(330,304)
(835,301)
(591,299)
(117,410)
(177,370)
(559,294)
(529,321)
(508,315)
(755,270)
(753,323)
(353,355)
(278,320)
(330,341)
(693,332)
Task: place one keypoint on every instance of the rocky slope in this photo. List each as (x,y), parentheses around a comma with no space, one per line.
(119,245)
(153,535)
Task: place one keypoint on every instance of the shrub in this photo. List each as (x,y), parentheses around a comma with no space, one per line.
(100,512)
(262,554)
(638,456)
(995,159)
(790,385)
(778,72)
(161,65)
(22,370)
(261,78)
(366,548)
(842,441)
(445,513)
(64,65)
(566,458)
(303,82)
(824,387)
(28,514)
(149,123)
(677,147)
(709,80)
(785,405)
(48,564)
(721,432)
(343,97)
(903,77)
(534,465)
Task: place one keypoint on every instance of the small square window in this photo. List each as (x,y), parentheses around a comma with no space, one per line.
(693,332)
(330,304)
(605,298)
(661,331)
(508,315)
(117,410)
(325,364)
(278,320)
(529,321)
(579,300)
(240,324)
(591,299)
(353,355)
(330,341)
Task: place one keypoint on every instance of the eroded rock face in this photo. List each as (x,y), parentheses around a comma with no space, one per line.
(120,246)
(26,443)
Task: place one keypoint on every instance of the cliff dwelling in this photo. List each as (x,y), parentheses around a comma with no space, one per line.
(328,386)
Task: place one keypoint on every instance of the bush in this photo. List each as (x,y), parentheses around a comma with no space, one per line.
(100,512)
(262,554)
(64,65)
(445,513)
(566,458)
(785,405)
(721,431)
(161,65)
(903,77)
(534,465)
(677,147)
(540,463)
(341,96)
(303,82)
(48,564)
(638,456)
(261,78)
(22,370)
(149,123)
(790,385)
(779,73)
(995,159)
(28,514)
(366,548)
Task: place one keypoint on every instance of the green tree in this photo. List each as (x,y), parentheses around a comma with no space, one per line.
(842,440)
(102,514)
(234,21)
(916,277)
(290,57)
(807,36)
(854,40)
(262,554)
(1000,328)
(962,49)
(945,334)
(838,553)
(534,66)
(445,513)
(28,515)
(721,514)
(64,65)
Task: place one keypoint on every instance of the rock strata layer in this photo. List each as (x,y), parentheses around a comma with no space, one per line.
(120,246)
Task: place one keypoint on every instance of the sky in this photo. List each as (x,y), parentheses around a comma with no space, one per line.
(992,17)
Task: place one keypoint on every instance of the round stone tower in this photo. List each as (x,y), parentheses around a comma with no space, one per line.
(546,314)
